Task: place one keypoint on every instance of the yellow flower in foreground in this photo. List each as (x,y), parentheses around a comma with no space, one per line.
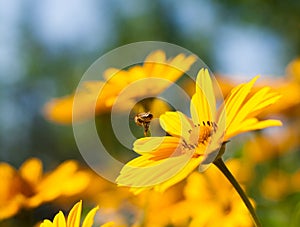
(164,161)
(150,79)
(73,219)
(29,186)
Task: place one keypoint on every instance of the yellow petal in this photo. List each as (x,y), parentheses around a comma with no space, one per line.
(157,146)
(261,125)
(58,183)
(177,66)
(256,104)
(176,124)
(203,104)
(46,223)
(74,215)
(252,124)
(59,110)
(32,170)
(153,59)
(130,173)
(173,68)
(115,76)
(182,173)
(76,183)
(59,220)
(269,99)
(11,191)
(109,224)
(11,205)
(142,172)
(235,100)
(89,219)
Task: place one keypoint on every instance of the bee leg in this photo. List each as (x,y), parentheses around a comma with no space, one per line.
(146,129)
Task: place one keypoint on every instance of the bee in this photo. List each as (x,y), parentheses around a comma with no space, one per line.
(143,119)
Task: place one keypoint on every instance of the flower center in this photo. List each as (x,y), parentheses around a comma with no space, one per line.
(200,134)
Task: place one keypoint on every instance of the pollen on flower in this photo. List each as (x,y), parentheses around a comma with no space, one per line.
(200,134)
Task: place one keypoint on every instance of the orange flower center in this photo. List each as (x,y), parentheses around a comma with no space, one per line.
(199,134)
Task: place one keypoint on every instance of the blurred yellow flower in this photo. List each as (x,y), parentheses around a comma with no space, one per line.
(279,184)
(164,161)
(66,180)
(210,200)
(264,147)
(276,185)
(293,69)
(12,191)
(29,187)
(295,181)
(73,219)
(143,79)
(159,209)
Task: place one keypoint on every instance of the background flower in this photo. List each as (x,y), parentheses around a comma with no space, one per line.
(210,199)
(105,93)
(29,187)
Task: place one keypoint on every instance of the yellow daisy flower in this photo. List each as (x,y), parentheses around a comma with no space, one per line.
(195,141)
(29,187)
(67,180)
(73,219)
(151,78)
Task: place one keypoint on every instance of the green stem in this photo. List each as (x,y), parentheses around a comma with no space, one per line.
(222,167)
